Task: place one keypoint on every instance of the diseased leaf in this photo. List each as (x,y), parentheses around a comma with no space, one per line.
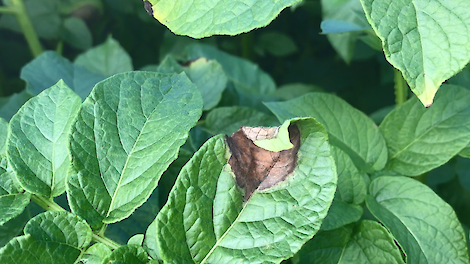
(427,40)
(127,133)
(416,216)
(106,59)
(51,237)
(420,139)
(202,18)
(348,128)
(206,220)
(39,135)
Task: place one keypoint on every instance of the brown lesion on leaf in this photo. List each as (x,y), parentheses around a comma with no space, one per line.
(258,168)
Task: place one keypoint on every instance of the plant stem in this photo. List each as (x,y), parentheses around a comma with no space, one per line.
(27,27)
(7,10)
(47,203)
(401,88)
(104,240)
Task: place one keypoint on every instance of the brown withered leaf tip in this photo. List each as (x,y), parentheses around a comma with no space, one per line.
(258,168)
(148,8)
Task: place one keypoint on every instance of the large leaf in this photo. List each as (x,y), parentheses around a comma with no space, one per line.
(39,135)
(425,226)
(127,133)
(341,214)
(202,18)
(420,139)
(351,184)
(370,242)
(427,40)
(106,59)
(48,68)
(348,128)
(206,219)
(51,237)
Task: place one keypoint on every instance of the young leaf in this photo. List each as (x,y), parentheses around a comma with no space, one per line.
(49,67)
(106,59)
(416,215)
(51,237)
(95,254)
(206,219)
(127,133)
(207,75)
(348,128)
(227,120)
(39,135)
(420,139)
(128,254)
(426,40)
(203,18)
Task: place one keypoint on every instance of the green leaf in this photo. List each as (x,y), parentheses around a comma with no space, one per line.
(203,18)
(294,90)
(206,220)
(226,120)
(37,147)
(106,59)
(326,247)
(129,254)
(3,135)
(245,76)
(76,33)
(136,240)
(95,254)
(207,75)
(425,226)
(351,184)
(277,43)
(420,139)
(346,13)
(49,67)
(427,40)
(11,104)
(341,214)
(371,243)
(51,237)
(151,242)
(12,205)
(127,133)
(348,128)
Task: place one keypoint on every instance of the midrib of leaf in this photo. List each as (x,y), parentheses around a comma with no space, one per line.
(422,135)
(223,236)
(127,161)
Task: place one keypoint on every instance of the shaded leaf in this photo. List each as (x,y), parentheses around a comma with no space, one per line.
(128,254)
(341,214)
(106,59)
(227,120)
(420,139)
(416,215)
(37,147)
(426,40)
(127,133)
(76,33)
(95,254)
(277,44)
